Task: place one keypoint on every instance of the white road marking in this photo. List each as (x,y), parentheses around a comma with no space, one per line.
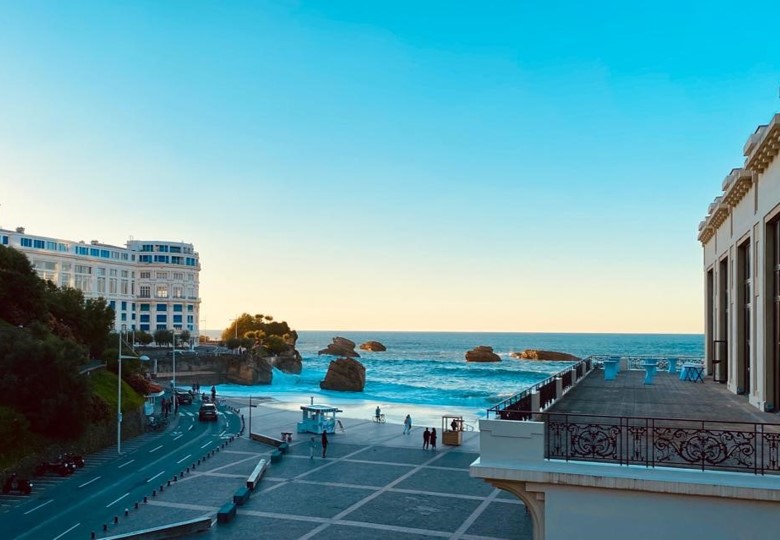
(155,449)
(190,428)
(155,476)
(39,506)
(128,463)
(66,532)
(88,483)
(119,499)
(177,437)
(205,445)
(182,459)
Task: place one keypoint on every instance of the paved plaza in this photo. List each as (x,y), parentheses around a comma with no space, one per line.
(374,483)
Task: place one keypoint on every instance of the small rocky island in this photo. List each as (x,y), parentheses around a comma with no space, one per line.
(340,347)
(483,353)
(538,354)
(346,375)
(373,346)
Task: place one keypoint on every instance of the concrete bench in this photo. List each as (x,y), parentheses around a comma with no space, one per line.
(226,513)
(172,530)
(265,439)
(276,456)
(241,496)
(257,473)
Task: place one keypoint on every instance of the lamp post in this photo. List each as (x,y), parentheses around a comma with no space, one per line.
(119,359)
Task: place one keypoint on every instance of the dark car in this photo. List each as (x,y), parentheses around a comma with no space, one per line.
(183,396)
(207,412)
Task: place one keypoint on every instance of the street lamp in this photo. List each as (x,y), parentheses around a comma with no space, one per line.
(119,359)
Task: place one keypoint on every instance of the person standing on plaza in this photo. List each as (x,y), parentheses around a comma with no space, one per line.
(407,425)
(324,443)
(426,438)
(433,438)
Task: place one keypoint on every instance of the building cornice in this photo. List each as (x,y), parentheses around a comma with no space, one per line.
(763,146)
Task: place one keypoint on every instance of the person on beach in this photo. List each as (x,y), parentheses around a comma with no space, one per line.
(433,438)
(378,412)
(407,425)
(324,443)
(312,446)
(426,438)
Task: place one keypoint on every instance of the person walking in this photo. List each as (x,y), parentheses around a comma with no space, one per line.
(433,438)
(213,394)
(378,413)
(312,446)
(324,443)
(426,438)
(407,425)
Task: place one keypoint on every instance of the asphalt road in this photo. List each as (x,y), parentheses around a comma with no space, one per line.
(82,503)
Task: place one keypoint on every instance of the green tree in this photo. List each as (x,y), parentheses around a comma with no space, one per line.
(144,338)
(184,337)
(21,290)
(163,337)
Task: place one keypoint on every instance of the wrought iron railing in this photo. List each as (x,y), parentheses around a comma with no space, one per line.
(662,442)
(546,389)
(566,379)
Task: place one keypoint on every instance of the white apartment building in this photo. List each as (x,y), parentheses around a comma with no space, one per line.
(741,240)
(150,284)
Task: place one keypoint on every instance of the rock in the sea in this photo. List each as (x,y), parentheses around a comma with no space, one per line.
(345,374)
(373,346)
(289,363)
(536,354)
(250,370)
(483,353)
(341,347)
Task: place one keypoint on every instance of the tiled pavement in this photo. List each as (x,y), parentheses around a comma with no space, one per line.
(375,483)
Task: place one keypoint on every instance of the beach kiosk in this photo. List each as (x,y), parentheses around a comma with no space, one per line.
(452,430)
(318,419)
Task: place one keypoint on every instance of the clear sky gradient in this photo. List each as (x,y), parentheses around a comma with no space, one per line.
(506,166)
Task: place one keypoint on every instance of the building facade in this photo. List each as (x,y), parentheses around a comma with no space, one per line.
(741,239)
(151,285)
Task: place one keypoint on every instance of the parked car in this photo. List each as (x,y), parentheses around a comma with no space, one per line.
(15,483)
(207,412)
(58,466)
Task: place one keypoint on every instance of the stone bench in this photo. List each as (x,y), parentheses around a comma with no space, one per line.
(226,513)
(241,496)
(257,473)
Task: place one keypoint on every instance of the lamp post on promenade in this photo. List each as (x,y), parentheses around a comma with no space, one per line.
(119,359)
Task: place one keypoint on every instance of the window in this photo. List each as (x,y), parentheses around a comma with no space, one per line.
(124,306)
(112,272)
(105,254)
(162,307)
(64,279)
(177,319)
(124,287)
(177,308)
(161,248)
(100,271)
(145,307)
(190,319)
(145,328)
(124,273)
(144,317)
(146,275)
(189,308)
(161,259)
(39,244)
(147,247)
(112,305)
(162,275)
(82,250)
(115,255)
(145,258)
(123,316)
(52,246)
(175,249)
(66,266)
(177,260)
(162,291)
(111,285)
(178,276)
(83,283)
(145,292)
(4,240)
(81,269)
(94,252)
(177,292)
(26,242)
(161,318)
(101,285)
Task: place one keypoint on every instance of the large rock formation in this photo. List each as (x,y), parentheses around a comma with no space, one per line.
(289,362)
(373,346)
(345,374)
(341,347)
(536,354)
(250,370)
(483,353)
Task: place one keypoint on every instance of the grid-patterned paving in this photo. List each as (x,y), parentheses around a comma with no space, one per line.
(383,486)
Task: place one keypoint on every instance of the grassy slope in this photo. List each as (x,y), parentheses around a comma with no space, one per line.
(103,383)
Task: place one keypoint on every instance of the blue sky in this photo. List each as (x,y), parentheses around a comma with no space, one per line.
(506,166)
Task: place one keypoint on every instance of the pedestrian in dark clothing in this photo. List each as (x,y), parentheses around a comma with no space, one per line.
(426,438)
(213,394)
(433,438)
(324,443)
(163,408)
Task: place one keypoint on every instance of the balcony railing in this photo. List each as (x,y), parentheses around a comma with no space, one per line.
(661,442)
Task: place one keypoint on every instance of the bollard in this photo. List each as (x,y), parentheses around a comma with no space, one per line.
(145,499)
(127,512)
(136,505)
(105,527)
(162,488)
(92,535)
(116,520)
(175,478)
(169,483)
(188,469)
(154,493)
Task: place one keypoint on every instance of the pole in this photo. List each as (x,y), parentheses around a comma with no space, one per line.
(250,417)
(173,334)
(119,399)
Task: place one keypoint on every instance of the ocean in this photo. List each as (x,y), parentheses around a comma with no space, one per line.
(426,372)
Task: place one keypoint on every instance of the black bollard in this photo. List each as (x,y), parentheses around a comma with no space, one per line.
(162,487)
(116,520)
(92,535)
(169,483)
(145,499)
(136,505)
(105,527)
(154,493)
(127,512)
